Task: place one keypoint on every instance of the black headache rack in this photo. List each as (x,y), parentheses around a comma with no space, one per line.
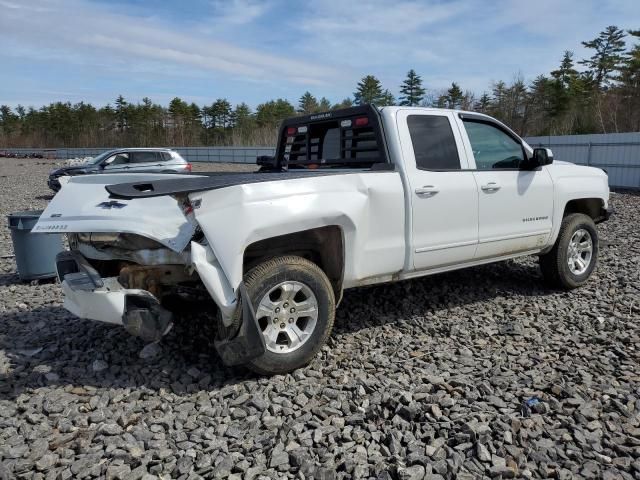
(350,137)
(332,141)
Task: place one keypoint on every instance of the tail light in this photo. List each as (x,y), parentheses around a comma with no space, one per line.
(188,167)
(361,122)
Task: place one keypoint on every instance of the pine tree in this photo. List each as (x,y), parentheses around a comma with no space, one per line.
(608,46)
(630,68)
(483,103)
(369,91)
(346,103)
(273,112)
(454,96)
(121,105)
(307,104)
(242,116)
(629,78)
(565,74)
(411,90)
(324,105)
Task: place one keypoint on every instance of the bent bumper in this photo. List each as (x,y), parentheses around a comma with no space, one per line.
(89,296)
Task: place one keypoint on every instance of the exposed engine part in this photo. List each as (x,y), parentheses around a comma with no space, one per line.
(156,256)
(154,278)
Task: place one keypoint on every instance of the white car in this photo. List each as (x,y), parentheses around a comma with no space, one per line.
(352,197)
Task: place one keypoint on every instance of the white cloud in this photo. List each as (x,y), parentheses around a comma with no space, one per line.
(83,31)
(238,12)
(266,48)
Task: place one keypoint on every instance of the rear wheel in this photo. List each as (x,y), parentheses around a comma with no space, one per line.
(295,308)
(574,256)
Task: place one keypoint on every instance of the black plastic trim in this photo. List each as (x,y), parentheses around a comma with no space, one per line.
(74,268)
(248,342)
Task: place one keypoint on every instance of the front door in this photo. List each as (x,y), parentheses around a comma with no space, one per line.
(443,193)
(118,162)
(515,202)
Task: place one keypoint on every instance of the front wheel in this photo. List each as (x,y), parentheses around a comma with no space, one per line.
(574,256)
(294,304)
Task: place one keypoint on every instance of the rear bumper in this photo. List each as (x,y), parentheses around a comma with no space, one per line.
(89,296)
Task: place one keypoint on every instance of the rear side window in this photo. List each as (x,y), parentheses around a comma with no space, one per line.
(166,156)
(144,157)
(433,143)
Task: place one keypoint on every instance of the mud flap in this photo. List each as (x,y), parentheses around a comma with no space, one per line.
(248,343)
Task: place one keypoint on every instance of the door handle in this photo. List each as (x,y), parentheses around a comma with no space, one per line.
(427,191)
(490,187)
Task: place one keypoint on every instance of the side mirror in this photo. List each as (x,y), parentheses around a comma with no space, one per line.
(542,156)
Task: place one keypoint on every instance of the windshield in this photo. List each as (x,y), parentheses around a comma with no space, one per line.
(100,158)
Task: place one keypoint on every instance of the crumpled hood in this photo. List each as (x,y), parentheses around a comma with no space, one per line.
(73,170)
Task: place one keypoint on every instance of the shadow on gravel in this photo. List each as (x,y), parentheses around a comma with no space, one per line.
(14,279)
(49,346)
(9,279)
(436,294)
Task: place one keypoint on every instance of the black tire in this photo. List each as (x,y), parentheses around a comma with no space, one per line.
(261,279)
(554,264)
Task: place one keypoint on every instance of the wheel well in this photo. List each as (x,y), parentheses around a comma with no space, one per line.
(324,246)
(592,207)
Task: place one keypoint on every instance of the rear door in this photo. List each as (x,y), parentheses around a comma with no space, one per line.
(515,202)
(443,192)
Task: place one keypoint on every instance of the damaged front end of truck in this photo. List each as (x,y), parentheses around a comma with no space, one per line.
(128,258)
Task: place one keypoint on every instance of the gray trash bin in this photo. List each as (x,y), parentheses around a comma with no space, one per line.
(35,252)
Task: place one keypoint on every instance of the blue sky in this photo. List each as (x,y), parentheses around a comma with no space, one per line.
(255,50)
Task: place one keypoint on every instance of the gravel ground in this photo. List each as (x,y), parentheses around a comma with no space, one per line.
(421,379)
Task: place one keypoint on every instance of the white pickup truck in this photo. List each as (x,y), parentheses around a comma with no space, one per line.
(352,197)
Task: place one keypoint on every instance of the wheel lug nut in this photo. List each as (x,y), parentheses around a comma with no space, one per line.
(275,320)
(291,320)
(282,325)
(292,310)
(277,309)
(285,305)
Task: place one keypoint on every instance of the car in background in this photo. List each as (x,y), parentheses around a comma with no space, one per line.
(123,160)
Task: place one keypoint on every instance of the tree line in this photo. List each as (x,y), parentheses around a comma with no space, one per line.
(597,94)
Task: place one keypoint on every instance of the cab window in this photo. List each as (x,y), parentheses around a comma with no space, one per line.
(493,148)
(434,145)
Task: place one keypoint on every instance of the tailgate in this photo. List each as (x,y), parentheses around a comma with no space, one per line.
(84,206)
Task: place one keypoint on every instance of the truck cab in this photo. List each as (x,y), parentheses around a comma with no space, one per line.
(475,190)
